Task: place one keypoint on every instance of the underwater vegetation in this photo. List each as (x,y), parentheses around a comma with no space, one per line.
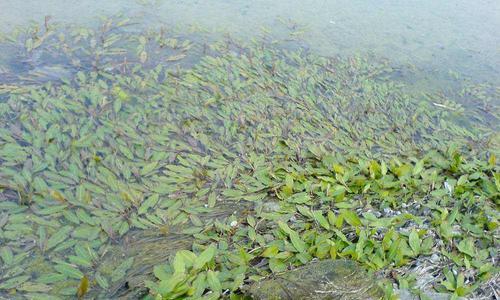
(164,165)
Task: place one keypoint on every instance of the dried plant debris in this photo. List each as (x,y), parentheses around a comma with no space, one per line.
(145,164)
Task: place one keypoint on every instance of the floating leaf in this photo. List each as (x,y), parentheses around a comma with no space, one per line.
(149,167)
(69,270)
(58,237)
(122,269)
(13,282)
(6,255)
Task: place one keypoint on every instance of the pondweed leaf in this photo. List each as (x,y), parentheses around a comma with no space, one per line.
(6,255)
(299,198)
(13,282)
(52,210)
(318,216)
(419,166)
(414,242)
(148,203)
(80,261)
(86,232)
(31,287)
(101,281)
(271,251)
(350,217)
(58,237)
(51,278)
(297,242)
(199,285)
(467,246)
(205,257)
(212,199)
(179,264)
(149,168)
(122,269)
(144,148)
(69,270)
(213,282)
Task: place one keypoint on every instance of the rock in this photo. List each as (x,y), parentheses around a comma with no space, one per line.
(406,295)
(328,279)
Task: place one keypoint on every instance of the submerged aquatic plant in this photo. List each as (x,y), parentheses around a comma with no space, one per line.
(248,158)
(396,217)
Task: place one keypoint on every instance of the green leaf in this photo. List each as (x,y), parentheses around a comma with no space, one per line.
(467,246)
(188,257)
(13,282)
(161,272)
(168,286)
(351,217)
(122,269)
(213,282)
(51,278)
(101,281)
(86,232)
(58,237)
(32,287)
(414,242)
(393,250)
(80,261)
(297,242)
(289,182)
(69,270)
(270,251)
(117,105)
(148,203)
(361,244)
(7,255)
(318,216)
(299,198)
(149,168)
(277,265)
(178,264)
(199,285)
(205,257)
(419,166)
(212,199)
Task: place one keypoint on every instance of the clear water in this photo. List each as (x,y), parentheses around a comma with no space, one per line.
(431,46)
(435,36)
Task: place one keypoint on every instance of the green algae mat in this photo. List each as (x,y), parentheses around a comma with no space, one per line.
(158,164)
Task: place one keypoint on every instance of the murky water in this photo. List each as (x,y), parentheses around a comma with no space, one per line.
(131,129)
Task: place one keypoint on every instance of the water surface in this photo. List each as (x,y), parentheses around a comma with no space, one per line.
(132,129)
(435,36)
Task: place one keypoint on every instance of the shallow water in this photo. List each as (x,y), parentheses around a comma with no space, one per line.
(147,133)
(435,36)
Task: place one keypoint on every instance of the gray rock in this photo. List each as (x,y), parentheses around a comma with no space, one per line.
(406,295)
(328,279)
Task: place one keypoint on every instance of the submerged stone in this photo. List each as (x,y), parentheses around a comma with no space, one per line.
(328,279)
(406,295)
